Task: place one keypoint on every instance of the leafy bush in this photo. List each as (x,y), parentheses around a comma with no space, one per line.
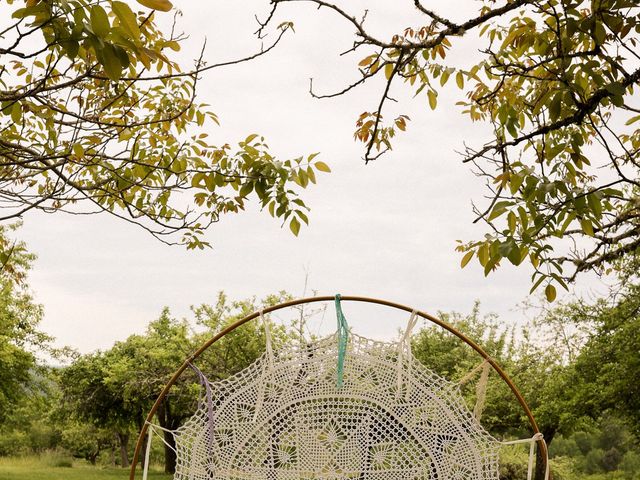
(14,443)
(593,461)
(513,463)
(43,437)
(630,465)
(585,441)
(611,459)
(56,459)
(564,468)
(564,447)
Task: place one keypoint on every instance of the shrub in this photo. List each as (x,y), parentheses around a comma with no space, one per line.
(630,465)
(611,459)
(564,447)
(14,443)
(564,468)
(513,463)
(593,461)
(56,459)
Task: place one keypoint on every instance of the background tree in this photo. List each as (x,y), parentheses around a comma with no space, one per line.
(28,424)
(107,395)
(97,410)
(140,366)
(244,345)
(85,440)
(19,318)
(554,80)
(95,117)
(611,352)
(605,445)
(90,408)
(541,374)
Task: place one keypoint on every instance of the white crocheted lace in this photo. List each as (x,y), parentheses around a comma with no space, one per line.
(285,418)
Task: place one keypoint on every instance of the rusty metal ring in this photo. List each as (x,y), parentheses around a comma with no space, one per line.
(345,298)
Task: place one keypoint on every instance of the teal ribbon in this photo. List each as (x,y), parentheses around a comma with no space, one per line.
(343,337)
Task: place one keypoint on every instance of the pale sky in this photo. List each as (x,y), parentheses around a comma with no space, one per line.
(387,229)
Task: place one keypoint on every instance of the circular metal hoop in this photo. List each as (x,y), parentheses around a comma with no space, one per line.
(347,298)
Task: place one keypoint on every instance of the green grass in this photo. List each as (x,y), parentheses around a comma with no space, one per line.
(56,467)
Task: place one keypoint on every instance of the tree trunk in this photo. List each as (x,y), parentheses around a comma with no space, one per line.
(168,422)
(169,453)
(548,433)
(143,458)
(123,441)
(140,421)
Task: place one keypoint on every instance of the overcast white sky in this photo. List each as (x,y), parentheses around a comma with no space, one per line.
(386,230)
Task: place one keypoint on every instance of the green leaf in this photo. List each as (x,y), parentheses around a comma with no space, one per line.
(311,174)
(78,151)
(524,217)
(251,138)
(550,292)
(632,120)
(210,182)
(162,5)
(100,21)
(515,255)
(246,189)
(535,261)
(127,18)
(71,48)
(323,167)
(483,254)
(125,134)
(433,99)
(555,106)
(617,100)
(466,259)
(20,13)
(122,55)
(367,60)
(559,279)
(587,226)
(512,221)
(302,178)
(388,70)
(537,283)
(110,61)
(294,225)
(515,181)
(506,247)
(303,216)
(615,88)
(460,80)
(570,218)
(445,76)
(498,209)
(260,191)
(197,179)
(595,205)
(599,33)
(16,112)
(490,265)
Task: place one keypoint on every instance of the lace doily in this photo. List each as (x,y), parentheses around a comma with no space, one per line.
(286,418)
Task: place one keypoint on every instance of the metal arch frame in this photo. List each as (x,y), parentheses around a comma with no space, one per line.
(347,298)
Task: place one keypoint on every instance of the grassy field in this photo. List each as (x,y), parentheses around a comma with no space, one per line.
(57,467)
(62,468)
